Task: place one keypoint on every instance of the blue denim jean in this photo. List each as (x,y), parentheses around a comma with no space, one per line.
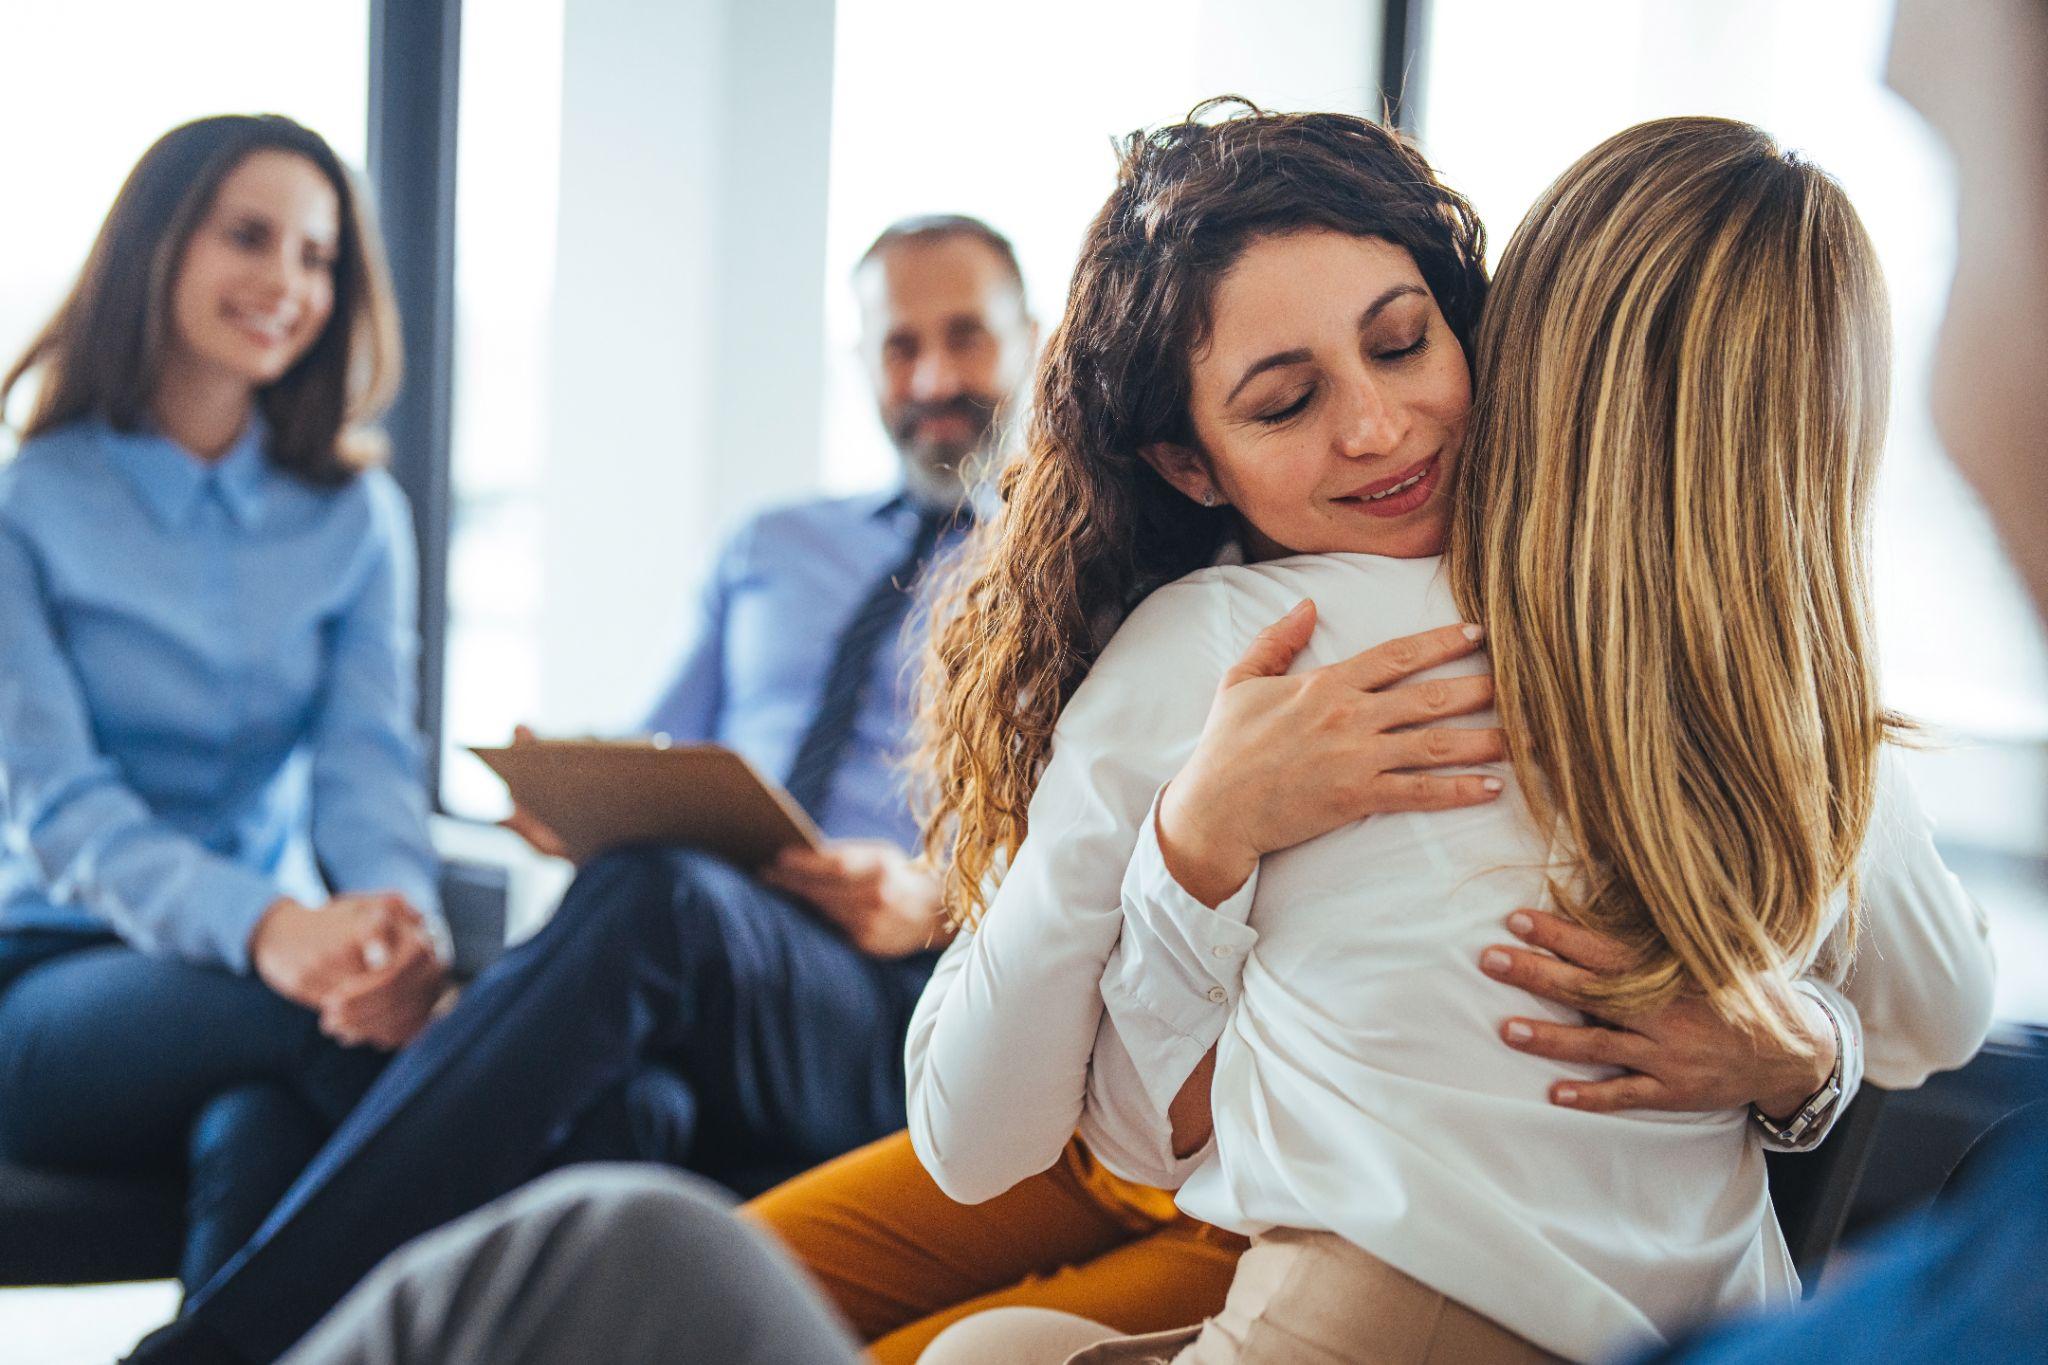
(113,1061)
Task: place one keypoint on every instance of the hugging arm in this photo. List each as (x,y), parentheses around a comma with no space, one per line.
(1282,759)
(1922,977)
(997,1058)
(1917,998)
(1920,986)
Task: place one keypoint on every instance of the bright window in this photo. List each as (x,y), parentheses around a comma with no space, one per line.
(1514,97)
(507,167)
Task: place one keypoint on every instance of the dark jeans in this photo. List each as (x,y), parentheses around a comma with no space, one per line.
(115,1061)
(774,1044)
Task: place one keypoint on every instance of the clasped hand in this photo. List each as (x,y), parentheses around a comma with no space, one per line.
(365,962)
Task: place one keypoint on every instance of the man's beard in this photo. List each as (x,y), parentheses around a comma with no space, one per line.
(946,458)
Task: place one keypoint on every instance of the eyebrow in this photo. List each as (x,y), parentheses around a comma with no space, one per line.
(1280,359)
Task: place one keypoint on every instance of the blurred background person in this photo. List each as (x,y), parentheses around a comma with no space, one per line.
(217,898)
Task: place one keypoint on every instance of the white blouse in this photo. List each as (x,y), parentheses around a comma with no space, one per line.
(1361,1086)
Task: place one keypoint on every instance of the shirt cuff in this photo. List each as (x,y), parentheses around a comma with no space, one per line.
(1177,969)
(1849,1029)
(238,902)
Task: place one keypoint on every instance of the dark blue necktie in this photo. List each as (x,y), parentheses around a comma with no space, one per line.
(879,616)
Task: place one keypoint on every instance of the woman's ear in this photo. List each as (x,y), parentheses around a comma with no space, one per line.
(1184,468)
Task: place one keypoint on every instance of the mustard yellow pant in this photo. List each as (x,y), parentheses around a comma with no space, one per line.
(902,1261)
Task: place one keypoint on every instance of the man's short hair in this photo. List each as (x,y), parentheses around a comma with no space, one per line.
(935,227)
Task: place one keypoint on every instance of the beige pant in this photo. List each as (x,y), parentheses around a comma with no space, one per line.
(1302,1298)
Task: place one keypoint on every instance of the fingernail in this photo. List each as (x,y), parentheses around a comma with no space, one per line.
(1300,607)
(1519,1032)
(1495,961)
(1472,632)
(1493,784)
(1521,924)
(1567,1095)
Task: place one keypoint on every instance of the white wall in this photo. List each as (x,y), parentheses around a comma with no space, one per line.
(689,377)
(687,321)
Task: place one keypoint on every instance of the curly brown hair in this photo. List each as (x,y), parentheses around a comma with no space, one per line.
(1087,528)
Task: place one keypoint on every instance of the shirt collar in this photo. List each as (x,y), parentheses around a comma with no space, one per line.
(172,481)
(897,505)
(983,501)
(243,474)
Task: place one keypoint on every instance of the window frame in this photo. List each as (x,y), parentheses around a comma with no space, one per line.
(415,65)
(1404,61)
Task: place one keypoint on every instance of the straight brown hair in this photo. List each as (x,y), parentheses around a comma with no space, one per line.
(101,354)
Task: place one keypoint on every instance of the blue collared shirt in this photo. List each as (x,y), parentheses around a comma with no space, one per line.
(782,590)
(206,691)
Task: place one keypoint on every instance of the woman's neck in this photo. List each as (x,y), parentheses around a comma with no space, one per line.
(203,411)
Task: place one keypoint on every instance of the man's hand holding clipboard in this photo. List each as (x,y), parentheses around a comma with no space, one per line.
(576,799)
(887,903)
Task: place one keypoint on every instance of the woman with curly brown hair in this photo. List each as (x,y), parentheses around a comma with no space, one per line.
(1660,527)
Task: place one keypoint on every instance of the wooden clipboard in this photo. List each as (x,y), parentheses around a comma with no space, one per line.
(600,795)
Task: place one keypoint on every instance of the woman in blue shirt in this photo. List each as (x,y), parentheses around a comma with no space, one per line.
(217,897)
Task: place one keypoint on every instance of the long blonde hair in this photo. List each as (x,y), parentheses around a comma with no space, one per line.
(1682,378)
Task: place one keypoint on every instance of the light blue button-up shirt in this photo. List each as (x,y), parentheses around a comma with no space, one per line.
(772,610)
(206,691)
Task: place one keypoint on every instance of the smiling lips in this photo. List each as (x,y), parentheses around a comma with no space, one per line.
(1398,494)
(267,328)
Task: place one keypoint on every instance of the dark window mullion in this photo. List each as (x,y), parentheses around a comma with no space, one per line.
(415,59)
(1404,37)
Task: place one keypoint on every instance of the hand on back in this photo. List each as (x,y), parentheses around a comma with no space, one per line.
(1682,1057)
(1285,758)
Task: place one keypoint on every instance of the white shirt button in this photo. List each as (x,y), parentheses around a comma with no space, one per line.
(1222,950)
(1217,995)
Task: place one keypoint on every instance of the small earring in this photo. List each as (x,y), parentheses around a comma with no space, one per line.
(1208,497)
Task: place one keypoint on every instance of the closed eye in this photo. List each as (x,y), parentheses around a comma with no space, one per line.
(1292,410)
(1415,347)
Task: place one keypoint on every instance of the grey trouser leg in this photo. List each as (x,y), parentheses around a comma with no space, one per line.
(590,1264)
